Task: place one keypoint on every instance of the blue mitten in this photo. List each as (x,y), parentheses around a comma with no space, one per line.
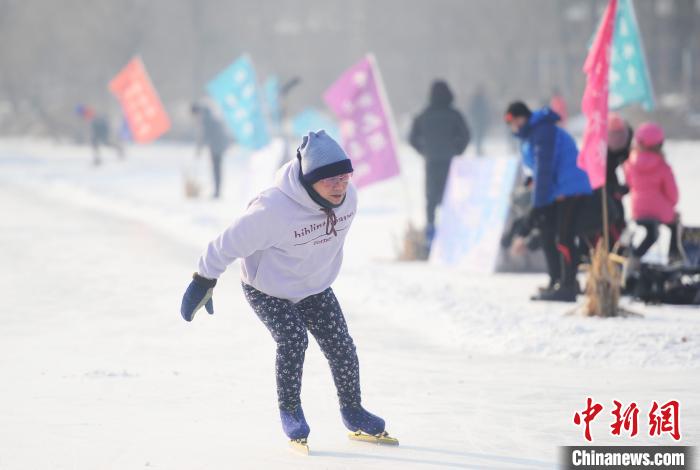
(198,294)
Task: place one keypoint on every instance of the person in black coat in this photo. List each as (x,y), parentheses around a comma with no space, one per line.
(439,133)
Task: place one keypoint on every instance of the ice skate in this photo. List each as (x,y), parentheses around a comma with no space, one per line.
(365,426)
(295,427)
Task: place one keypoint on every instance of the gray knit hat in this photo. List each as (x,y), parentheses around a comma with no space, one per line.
(321,157)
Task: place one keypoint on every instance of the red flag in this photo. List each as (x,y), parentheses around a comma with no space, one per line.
(594,150)
(138,98)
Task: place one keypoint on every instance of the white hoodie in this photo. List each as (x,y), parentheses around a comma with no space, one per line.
(282,240)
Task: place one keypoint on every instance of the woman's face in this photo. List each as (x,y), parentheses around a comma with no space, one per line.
(333,189)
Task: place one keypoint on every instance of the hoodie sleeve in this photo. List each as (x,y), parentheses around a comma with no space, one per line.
(252,232)
(542,148)
(669,186)
(461,134)
(416,137)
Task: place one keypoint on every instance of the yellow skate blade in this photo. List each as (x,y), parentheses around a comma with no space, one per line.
(299,445)
(383,438)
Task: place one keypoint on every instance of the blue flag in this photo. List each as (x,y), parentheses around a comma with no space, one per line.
(629,76)
(236,91)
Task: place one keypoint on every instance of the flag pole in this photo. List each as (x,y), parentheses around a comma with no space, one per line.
(606,228)
(381,91)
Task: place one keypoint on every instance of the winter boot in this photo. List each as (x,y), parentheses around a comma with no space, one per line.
(429,234)
(294,423)
(552,284)
(675,249)
(356,418)
(560,293)
(428,237)
(631,269)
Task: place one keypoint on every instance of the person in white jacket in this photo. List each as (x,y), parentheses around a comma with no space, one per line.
(290,243)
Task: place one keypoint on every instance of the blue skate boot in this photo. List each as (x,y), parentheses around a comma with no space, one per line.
(356,418)
(294,423)
(295,427)
(365,426)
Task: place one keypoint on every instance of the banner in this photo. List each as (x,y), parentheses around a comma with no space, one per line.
(629,75)
(594,150)
(236,92)
(143,110)
(473,213)
(357,98)
(311,119)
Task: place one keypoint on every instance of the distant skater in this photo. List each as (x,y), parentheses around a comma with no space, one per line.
(100,133)
(212,133)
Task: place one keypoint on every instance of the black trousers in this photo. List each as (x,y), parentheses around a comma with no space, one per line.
(652,229)
(436,172)
(558,230)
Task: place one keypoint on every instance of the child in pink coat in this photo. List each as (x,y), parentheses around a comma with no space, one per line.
(653,190)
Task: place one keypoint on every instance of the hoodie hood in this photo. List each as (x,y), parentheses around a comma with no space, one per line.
(541,116)
(440,95)
(289,182)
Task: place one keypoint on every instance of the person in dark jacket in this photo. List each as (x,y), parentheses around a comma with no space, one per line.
(439,133)
(212,134)
(559,193)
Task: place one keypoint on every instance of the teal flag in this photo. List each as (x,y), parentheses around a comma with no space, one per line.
(235,90)
(629,76)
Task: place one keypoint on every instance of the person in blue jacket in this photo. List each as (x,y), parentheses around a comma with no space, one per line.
(560,189)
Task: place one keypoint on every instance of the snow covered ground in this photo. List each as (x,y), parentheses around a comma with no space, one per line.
(99,370)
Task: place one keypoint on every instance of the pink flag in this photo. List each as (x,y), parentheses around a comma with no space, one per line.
(593,154)
(357,98)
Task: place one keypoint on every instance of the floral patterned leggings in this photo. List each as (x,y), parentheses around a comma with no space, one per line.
(322,316)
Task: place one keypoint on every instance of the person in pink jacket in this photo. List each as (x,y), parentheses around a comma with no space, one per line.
(653,190)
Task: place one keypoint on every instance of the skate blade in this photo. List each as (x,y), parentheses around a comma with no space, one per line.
(300,445)
(383,438)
